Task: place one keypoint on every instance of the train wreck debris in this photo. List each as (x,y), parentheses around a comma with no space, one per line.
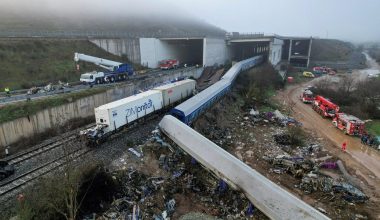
(325,184)
(157,195)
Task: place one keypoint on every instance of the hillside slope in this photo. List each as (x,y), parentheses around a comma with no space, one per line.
(27,63)
(331,50)
(336,54)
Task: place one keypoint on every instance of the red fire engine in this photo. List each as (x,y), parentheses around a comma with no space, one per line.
(325,107)
(351,125)
(169,64)
(307,96)
(324,69)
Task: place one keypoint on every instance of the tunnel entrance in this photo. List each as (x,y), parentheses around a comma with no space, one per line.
(245,50)
(186,51)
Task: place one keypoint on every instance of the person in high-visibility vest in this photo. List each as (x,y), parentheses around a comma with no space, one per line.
(7,91)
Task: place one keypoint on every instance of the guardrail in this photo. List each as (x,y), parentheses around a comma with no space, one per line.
(99,34)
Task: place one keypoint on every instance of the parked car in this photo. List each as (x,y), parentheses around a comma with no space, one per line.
(308,74)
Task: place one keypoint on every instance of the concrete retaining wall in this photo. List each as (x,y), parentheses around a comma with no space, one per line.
(215,51)
(12,131)
(129,47)
(275,51)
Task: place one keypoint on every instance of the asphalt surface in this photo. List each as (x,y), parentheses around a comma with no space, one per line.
(17,97)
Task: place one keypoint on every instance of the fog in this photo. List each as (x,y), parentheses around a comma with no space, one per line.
(342,19)
(100,15)
(354,20)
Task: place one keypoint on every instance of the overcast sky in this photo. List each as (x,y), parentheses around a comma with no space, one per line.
(356,20)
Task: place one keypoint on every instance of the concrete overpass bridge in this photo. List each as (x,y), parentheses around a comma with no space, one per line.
(210,50)
(149,48)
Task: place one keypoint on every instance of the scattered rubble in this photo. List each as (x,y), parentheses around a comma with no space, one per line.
(153,194)
(262,141)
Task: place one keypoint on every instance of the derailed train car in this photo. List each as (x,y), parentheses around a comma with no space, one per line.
(243,65)
(188,111)
(118,114)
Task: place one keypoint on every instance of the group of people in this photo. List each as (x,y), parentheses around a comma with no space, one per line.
(368,139)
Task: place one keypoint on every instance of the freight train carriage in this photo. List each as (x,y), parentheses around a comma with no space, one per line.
(115,115)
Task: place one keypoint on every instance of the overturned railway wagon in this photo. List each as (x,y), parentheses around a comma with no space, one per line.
(188,111)
(271,199)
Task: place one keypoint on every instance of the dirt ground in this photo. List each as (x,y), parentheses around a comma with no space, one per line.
(228,124)
(361,161)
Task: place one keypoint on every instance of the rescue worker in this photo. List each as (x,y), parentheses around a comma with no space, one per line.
(344,146)
(364,139)
(7,91)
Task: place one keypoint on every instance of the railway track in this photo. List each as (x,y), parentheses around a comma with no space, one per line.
(38,151)
(43,148)
(10,185)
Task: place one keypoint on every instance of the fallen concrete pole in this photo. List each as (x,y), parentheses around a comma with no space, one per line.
(346,175)
(271,199)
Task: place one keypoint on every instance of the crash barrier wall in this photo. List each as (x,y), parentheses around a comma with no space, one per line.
(271,199)
(12,131)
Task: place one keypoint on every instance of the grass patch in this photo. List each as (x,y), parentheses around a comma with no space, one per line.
(28,63)
(266,108)
(373,127)
(23,109)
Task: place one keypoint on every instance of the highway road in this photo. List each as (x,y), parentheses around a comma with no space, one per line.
(21,95)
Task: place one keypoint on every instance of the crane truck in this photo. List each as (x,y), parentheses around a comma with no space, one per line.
(114,71)
(325,107)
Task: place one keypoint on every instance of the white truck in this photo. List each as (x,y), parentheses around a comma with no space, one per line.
(112,116)
(92,77)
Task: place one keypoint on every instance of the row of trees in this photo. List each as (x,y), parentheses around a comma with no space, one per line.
(374,52)
(359,98)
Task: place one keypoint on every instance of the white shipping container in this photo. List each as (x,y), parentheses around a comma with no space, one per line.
(124,111)
(177,91)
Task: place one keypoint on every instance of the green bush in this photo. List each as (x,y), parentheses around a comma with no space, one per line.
(259,83)
(297,136)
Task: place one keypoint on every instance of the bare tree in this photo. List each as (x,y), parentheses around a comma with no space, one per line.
(347,84)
